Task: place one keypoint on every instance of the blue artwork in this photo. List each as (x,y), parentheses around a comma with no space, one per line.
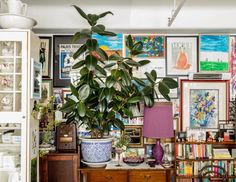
(110,44)
(214,53)
(204,111)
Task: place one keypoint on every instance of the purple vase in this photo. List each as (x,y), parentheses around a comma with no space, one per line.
(158,152)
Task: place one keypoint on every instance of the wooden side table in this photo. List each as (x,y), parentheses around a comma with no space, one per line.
(60,167)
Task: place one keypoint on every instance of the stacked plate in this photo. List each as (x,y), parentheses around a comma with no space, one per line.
(12,21)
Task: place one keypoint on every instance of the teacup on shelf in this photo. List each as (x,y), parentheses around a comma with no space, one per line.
(7,67)
(7,103)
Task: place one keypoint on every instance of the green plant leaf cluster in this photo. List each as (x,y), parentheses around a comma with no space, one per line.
(106,85)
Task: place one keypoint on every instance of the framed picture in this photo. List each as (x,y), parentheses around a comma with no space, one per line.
(36,79)
(149,150)
(181,55)
(46,90)
(214,53)
(57,92)
(233,66)
(45,55)
(203,103)
(136,135)
(153,45)
(65,93)
(149,141)
(110,44)
(63,50)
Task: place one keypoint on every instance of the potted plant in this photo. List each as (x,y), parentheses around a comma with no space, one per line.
(106,87)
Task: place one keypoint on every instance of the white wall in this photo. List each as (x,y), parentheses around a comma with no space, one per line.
(142,16)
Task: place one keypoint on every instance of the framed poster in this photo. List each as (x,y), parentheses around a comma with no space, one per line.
(63,50)
(65,94)
(110,44)
(181,55)
(45,55)
(46,91)
(203,103)
(36,79)
(153,45)
(214,53)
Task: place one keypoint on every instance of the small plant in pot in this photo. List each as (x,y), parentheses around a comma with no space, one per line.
(106,88)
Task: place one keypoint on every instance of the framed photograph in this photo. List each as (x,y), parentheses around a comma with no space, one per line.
(46,91)
(63,50)
(136,135)
(153,45)
(57,92)
(181,55)
(65,94)
(45,55)
(36,79)
(203,103)
(149,150)
(149,141)
(214,53)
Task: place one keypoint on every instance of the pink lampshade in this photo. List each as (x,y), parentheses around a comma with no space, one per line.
(158,121)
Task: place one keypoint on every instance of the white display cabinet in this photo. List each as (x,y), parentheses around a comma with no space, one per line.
(18,129)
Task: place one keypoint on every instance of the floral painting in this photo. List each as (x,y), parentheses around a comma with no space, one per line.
(214,53)
(153,46)
(204,108)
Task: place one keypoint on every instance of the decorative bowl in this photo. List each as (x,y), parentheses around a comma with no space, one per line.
(16,21)
(133,161)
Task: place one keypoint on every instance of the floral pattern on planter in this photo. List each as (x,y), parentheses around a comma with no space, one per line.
(96,152)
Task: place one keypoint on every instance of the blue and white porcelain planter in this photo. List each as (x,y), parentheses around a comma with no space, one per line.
(96,150)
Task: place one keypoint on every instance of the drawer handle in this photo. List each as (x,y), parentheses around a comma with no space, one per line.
(109,177)
(147,176)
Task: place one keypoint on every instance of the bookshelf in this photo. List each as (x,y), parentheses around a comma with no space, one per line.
(190,157)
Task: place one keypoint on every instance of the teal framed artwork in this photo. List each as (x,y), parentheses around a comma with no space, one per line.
(214,53)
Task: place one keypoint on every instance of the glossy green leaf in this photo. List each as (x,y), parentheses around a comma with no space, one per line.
(81,12)
(136,52)
(149,102)
(92,44)
(101,95)
(129,42)
(126,80)
(170,82)
(110,81)
(80,51)
(104,14)
(144,62)
(139,81)
(68,107)
(163,88)
(150,77)
(78,64)
(102,53)
(154,75)
(92,19)
(79,35)
(90,62)
(119,124)
(138,46)
(127,112)
(98,28)
(114,57)
(107,33)
(84,71)
(133,100)
(74,90)
(81,109)
(110,65)
(84,92)
(132,63)
(101,70)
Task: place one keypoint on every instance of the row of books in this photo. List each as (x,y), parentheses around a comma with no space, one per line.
(189,168)
(198,180)
(193,151)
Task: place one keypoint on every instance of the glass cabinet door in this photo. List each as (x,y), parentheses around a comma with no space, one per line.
(10,152)
(10,76)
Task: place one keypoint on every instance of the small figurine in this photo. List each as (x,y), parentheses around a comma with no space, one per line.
(7,102)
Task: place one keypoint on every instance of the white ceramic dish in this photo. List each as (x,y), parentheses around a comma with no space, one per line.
(90,164)
(16,21)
